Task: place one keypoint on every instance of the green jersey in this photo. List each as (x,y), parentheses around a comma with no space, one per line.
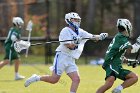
(116,50)
(8,41)
(10,53)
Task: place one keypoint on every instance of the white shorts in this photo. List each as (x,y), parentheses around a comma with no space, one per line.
(63,62)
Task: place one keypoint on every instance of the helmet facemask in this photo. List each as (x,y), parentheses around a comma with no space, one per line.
(76,22)
(18,22)
(124,25)
(73,19)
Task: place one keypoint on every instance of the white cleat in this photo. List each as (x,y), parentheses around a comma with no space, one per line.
(33,78)
(19,77)
(116,91)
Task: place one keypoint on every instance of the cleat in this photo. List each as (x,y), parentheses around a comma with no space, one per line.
(116,91)
(19,77)
(33,78)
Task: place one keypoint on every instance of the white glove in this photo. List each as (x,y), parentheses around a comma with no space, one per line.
(77,40)
(20,45)
(103,36)
(138,40)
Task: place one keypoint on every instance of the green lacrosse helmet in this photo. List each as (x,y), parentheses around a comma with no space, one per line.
(125,23)
(17,21)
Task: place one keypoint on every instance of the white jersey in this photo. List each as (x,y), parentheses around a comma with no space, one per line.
(68,34)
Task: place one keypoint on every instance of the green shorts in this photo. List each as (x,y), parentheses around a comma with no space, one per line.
(116,71)
(11,54)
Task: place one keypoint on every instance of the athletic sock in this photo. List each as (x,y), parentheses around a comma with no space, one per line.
(119,87)
(38,78)
(72,92)
(16,74)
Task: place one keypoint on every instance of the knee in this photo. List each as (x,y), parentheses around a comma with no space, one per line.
(6,62)
(135,77)
(76,79)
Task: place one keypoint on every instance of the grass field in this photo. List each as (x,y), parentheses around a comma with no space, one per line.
(91,78)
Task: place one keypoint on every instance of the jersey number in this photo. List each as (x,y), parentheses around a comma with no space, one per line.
(110,46)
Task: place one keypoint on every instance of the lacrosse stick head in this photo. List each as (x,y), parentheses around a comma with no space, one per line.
(29,26)
(20,45)
(16,47)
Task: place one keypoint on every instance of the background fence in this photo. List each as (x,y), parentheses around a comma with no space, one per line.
(48,18)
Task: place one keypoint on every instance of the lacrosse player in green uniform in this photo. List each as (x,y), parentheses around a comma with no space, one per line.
(115,57)
(10,53)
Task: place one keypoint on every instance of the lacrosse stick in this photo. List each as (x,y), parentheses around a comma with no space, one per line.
(29,29)
(49,42)
(101,37)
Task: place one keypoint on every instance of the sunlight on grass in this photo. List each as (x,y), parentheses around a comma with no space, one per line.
(91,78)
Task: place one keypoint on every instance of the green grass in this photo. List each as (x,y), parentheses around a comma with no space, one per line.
(31,59)
(40,59)
(91,78)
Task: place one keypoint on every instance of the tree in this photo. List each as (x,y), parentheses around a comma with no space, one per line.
(91,15)
(136,17)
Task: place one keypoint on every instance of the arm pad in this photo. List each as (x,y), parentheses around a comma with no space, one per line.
(135,48)
(14,38)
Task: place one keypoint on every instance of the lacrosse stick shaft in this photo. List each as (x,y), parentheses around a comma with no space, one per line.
(29,36)
(49,42)
(29,28)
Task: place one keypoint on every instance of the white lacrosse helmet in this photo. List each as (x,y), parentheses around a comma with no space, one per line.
(126,24)
(72,15)
(18,21)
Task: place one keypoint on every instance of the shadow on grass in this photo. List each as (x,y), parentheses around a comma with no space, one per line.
(9,80)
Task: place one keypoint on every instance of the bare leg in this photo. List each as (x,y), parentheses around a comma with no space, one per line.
(54,78)
(108,84)
(17,75)
(131,79)
(75,81)
(3,63)
(17,62)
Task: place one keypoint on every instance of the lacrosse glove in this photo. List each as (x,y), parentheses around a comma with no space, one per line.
(103,36)
(132,62)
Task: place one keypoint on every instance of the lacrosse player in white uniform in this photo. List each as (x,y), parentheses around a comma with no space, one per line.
(10,53)
(67,52)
